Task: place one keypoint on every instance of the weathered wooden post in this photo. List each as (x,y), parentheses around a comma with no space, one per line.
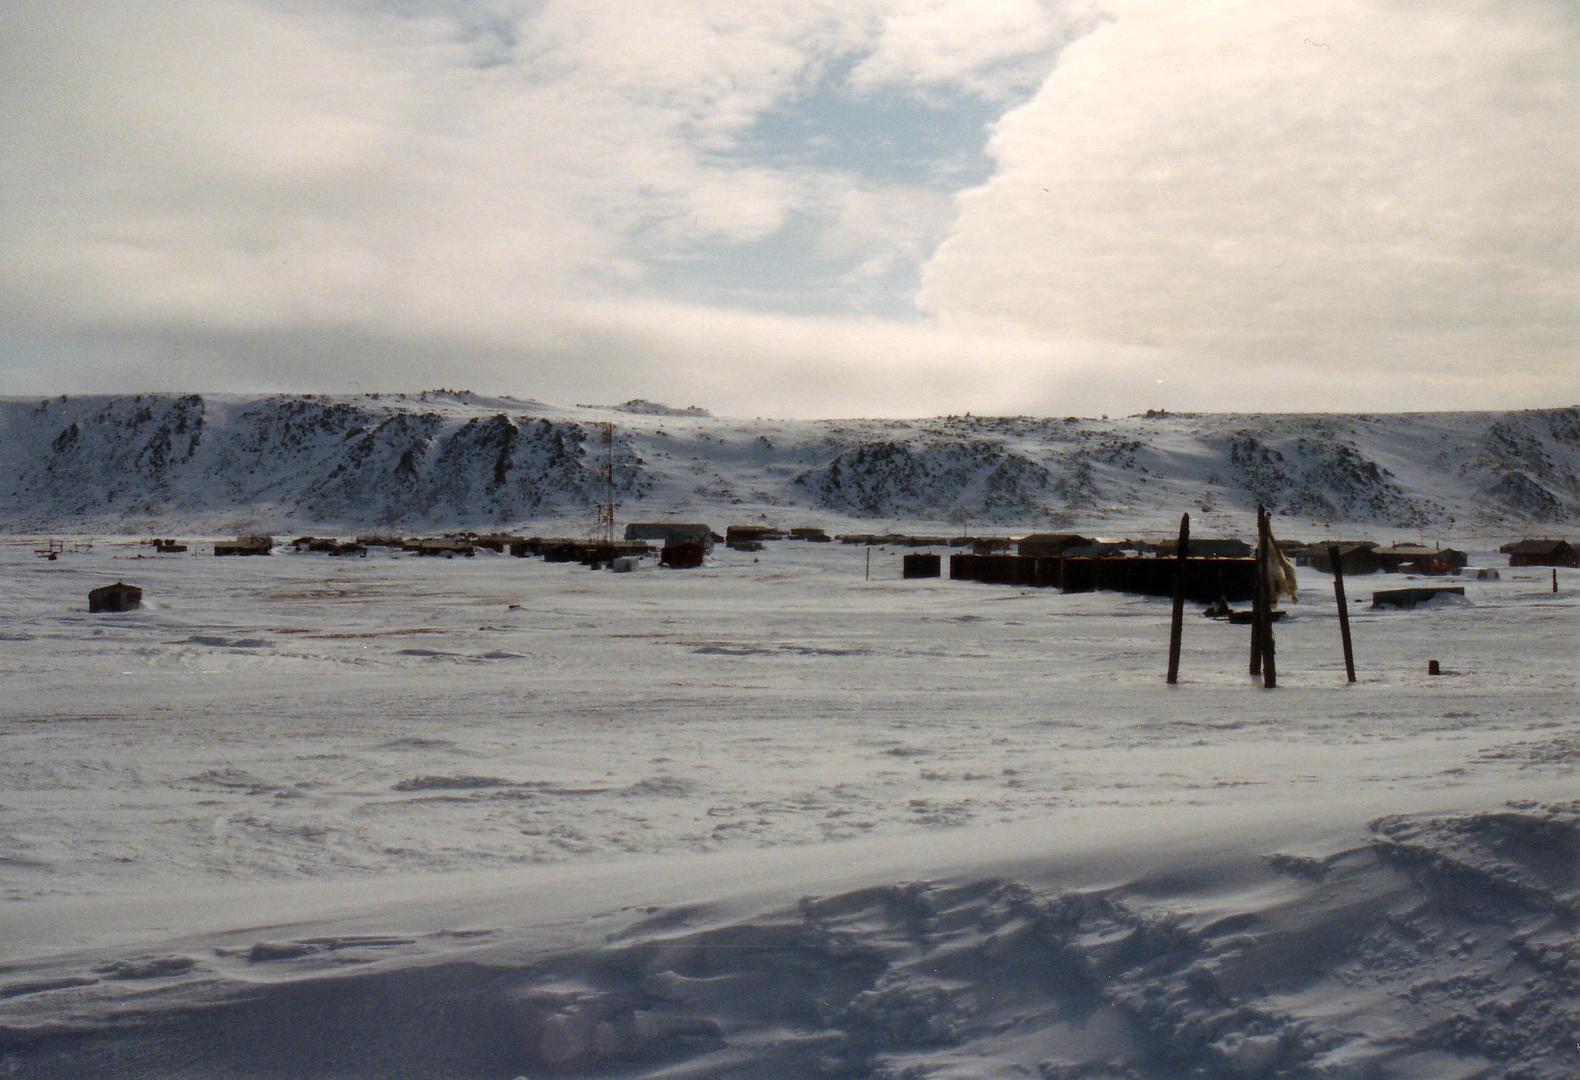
(1555,579)
(1176,625)
(1264,546)
(1344,610)
(1256,600)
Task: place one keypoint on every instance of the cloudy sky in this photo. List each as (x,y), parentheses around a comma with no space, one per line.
(798,207)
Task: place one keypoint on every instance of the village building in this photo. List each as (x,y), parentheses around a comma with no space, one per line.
(687,555)
(1543,553)
(1421,559)
(443,549)
(245,545)
(1045,545)
(117,597)
(671,532)
(735,534)
(1355,557)
(1201,547)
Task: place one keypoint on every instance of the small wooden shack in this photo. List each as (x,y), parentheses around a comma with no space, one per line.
(734,534)
(921,565)
(442,549)
(683,556)
(1543,553)
(1355,557)
(245,545)
(1421,559)
(671,532)
(117,597)
(1205,581)
(1409,598)
(1202,547)
(1044,545)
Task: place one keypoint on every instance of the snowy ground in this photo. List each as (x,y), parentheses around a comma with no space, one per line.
(497,818)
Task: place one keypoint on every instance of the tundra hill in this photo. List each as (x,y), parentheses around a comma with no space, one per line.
(451,459)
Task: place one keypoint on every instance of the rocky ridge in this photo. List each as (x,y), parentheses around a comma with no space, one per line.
(455,459)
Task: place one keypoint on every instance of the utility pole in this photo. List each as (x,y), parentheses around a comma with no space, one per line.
(606,510)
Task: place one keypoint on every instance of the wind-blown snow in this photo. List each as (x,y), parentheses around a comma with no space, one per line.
(313,816)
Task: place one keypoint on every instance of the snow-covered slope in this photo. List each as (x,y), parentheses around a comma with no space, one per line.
(450,458)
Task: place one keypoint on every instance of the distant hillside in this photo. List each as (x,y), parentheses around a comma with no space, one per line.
(216,463)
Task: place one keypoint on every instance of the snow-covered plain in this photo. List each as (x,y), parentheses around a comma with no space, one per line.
(492,817)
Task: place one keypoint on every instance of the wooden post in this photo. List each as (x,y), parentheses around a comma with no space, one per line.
(1177,623)
(1256,600)
(1264,553)
(1555,579)
(869,562)
(1344,610)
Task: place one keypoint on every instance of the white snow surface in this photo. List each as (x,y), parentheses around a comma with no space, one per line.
(494,817)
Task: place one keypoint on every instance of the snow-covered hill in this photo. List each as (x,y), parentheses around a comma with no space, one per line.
(185,463)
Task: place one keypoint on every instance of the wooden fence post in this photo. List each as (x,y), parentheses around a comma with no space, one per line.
(1256,600)
(1176,624)
(1263,555)
(1344,610)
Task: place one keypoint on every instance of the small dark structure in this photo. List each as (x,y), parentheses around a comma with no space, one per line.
(117,597)
(921,565)
(1421,559)
(734,534)
(745,545)
(328,545)
(594,553)
(1409,598)
(1103,549)
(684,556)
(446,549)
(1044,545)
(1204,547)
(168,547)
(815,535)
(246,545)
(561,551)
(1203,580)
(671,532)
(1355,557)
(897,540)
(1543,553)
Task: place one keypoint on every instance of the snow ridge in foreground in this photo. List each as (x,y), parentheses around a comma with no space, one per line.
(1438,945)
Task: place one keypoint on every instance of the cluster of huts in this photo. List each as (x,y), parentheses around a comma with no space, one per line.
(1216,568)
(1219,566)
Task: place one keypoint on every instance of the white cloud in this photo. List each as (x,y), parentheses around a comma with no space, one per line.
(215,194)
(991,49)
(1336,185)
